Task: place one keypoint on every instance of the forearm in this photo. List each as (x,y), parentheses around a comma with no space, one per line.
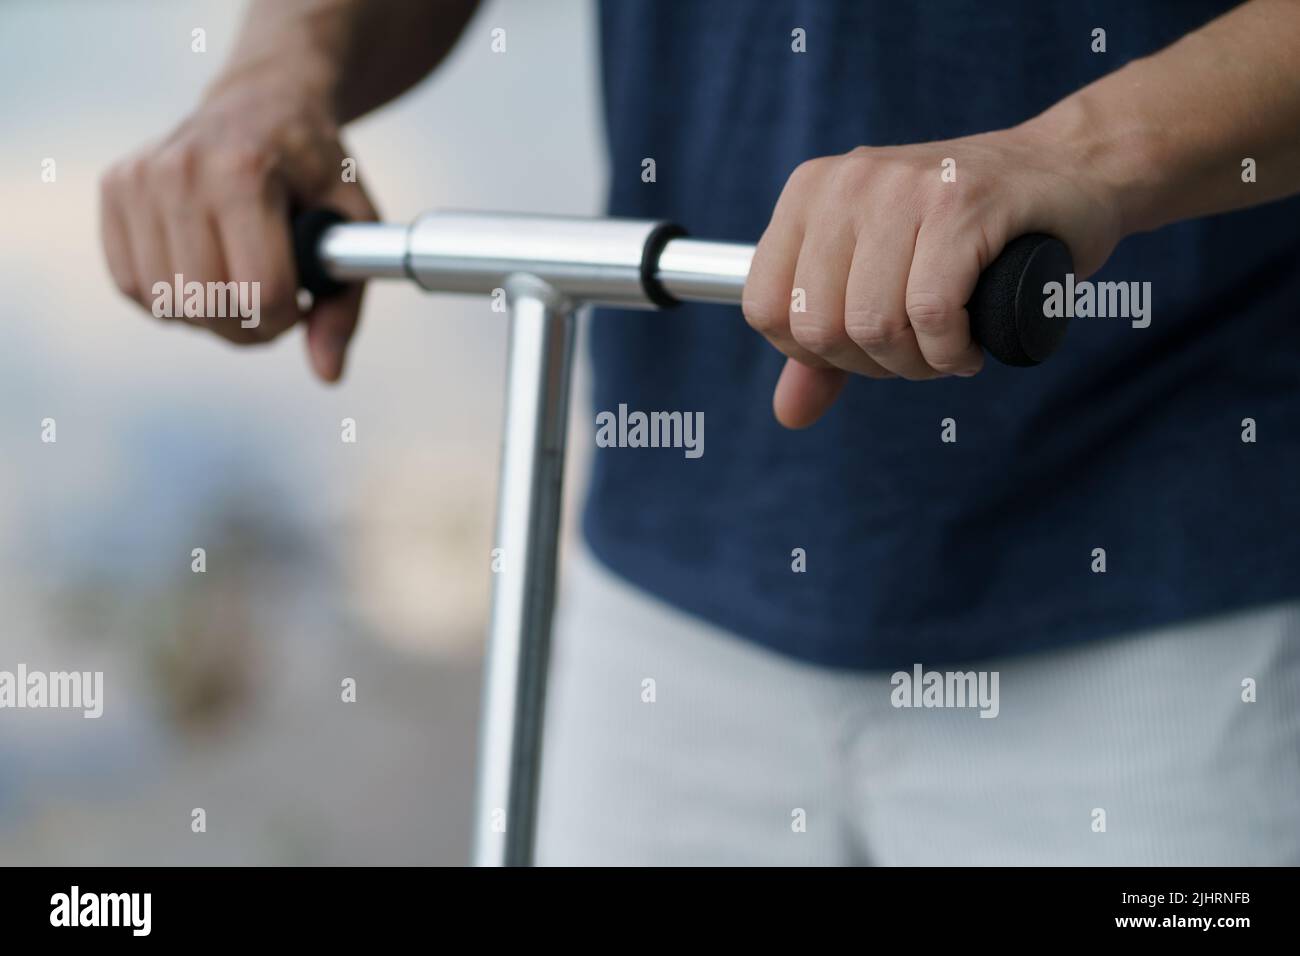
(354,54)
(1170,132)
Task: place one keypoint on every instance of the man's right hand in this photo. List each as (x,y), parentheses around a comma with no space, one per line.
(212,202)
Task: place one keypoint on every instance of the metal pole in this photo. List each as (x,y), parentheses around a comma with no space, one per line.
(590,261)
(527,535)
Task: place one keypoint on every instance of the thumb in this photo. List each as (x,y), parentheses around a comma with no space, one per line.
(330,326)
(804,394)
(332,322)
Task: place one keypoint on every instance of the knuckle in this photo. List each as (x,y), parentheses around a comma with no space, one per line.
(808,172)
(897,177)
(175,166)
(804,171)
(873,329)
(855,169)
(241,165)
(821,337)
(765,314)
(931,313)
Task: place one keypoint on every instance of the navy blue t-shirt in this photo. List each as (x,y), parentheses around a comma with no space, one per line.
(1127,440)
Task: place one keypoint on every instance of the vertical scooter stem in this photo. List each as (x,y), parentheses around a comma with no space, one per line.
(524,566)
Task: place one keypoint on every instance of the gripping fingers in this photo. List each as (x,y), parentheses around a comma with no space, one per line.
(875,313)
(146,238)
(938,286)
(254,235)
(818,323)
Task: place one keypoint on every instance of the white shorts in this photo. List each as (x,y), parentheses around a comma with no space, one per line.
(670,741)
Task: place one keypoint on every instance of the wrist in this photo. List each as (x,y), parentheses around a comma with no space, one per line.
(1107,149)
(305,75)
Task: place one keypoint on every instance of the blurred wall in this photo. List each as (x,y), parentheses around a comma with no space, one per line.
(325,560)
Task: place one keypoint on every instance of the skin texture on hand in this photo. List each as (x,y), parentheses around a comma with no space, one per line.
(871,256)
(212,201)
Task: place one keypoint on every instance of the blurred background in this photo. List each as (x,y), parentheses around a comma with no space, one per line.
(325,560)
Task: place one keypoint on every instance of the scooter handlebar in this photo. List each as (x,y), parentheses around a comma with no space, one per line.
(640,265)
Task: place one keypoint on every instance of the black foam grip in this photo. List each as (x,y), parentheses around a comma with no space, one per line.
(308,227)
(1006,310)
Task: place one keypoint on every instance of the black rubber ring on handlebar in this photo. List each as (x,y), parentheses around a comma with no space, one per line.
(654,246)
